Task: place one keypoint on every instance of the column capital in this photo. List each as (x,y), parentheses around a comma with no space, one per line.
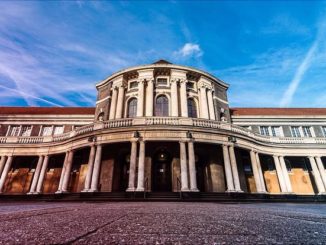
(174,80)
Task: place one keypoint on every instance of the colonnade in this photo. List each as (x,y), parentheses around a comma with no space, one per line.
(145,99)
(187,169)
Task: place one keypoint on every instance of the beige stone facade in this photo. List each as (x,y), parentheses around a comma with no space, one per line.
(165,128)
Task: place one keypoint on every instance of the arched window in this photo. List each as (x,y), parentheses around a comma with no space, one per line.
(132,108)
(162,106)
(192,109)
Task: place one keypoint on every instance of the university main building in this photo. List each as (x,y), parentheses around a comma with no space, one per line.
(162,128)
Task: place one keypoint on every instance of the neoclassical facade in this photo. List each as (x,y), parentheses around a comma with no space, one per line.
(162,128)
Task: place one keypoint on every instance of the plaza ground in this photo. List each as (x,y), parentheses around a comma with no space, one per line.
(161,223)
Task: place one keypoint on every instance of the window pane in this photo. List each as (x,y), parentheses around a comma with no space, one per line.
(58,130)
(134,84)
(132,108)
(162,81)
(264,130)
(47,130)
(162,106)
(324,131)
(276,131)
(14,130)
(26,131)
(295,132)
(192,109)
(306,131)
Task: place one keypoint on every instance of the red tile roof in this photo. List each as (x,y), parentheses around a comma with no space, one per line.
(47,110)
(278,111)
(91,110)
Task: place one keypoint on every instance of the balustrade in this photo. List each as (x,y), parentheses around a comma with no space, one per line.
(176,121)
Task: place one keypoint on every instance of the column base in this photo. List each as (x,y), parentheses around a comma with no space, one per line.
(228,191)
(92,190)
(194,190)
(132,189)
(321,193)
(262,192)
(239,191)
(85,190)
(287,193)
(140,189)
(30,193)
(185,189)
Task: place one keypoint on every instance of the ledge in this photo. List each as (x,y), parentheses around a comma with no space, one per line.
(169,121)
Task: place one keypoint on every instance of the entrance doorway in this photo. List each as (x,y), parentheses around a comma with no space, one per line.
(161,175)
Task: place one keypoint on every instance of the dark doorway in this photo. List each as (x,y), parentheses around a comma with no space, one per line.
(121,172)
(162,180)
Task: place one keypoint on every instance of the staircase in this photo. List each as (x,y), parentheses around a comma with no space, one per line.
(163,197)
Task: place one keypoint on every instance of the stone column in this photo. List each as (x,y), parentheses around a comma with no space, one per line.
(192,167)
(227,169)
(317,177)
(42,174)
(121,94)
(174,98)
(183,167)
(203,103)
(183,98)
(321,170)
(261,174)
(141,167)
(2,163)
(97,168)
(5,172)
(132,167)
(113,103)
(36,175)
(150,98)
(210,104)
(63,172)
(255,171)
(285,174)
(234,168)
(90,168)
(66,178)
(140,101)
(280,176)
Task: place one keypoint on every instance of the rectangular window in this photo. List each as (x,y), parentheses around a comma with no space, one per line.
(58,130)
(276,131)
(46,130)
(26,130)
(14,131)
(190,85)
(295,131)
(307,131)
(323,128)
(264,130)
(162,81)
(133,84)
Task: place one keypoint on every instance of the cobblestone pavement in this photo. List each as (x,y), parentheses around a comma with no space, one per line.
(161,223)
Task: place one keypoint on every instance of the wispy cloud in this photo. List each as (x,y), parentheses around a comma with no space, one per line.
(189,50)
(300,72)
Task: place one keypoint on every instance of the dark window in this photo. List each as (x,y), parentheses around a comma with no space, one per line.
(162,106)
(162,81)
(192,109)
(190,85)
(134,84)
(132,108)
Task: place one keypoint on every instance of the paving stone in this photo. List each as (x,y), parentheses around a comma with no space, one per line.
(162,223)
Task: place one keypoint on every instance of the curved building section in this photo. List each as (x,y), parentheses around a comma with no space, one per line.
(162,128)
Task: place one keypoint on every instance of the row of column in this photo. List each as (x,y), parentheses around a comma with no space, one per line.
(206,103)
(116,107)
(187,167)
(146,100)
(186,185)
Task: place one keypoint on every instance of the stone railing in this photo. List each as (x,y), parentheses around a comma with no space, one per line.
(148,121)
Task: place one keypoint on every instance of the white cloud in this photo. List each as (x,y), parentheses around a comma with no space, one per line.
(300,72)
(189,50)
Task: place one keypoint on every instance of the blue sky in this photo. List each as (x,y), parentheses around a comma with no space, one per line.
(273,53)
